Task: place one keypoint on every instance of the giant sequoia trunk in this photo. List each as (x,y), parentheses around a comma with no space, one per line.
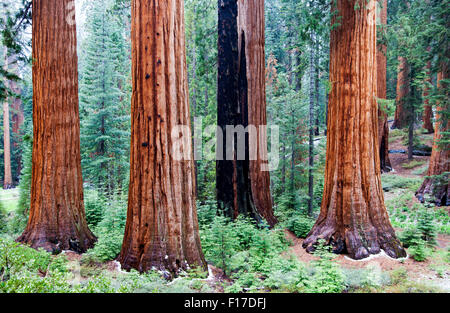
(401,114)
(353,217)
(7,182)
(428,110)
(383,127)
(243,186)
(435,185)
(7,178)
(57,218)
(17,118)
(161,229)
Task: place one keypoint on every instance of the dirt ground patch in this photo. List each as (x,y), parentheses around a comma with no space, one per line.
(418,271)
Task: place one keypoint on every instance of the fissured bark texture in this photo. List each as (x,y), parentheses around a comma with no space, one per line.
(353,218)
(243,185)
(383,127)
(252,48)
(436,188)
(428,110)
(401,118)
(57,218)
(161,229)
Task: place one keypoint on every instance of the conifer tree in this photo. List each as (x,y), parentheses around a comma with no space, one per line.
(104,99)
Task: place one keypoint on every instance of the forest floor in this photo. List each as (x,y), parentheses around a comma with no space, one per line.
(431,275)
(432,272)
(9,198)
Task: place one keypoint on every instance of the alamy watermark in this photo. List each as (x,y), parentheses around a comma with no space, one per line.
(232,143)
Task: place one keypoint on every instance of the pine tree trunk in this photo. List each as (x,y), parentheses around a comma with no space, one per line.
(353,217)
(437,187)
(403,84)
(57,218)
(243,186)
(383,127)
(161,229)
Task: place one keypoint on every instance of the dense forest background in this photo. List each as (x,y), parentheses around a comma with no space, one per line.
(242,255)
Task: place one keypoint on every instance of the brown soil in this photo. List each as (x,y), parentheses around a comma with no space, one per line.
(415,270)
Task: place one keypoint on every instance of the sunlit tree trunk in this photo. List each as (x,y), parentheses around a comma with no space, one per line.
(161,229)
(435,185)
(57,218)
(401,116)
(243,186)
(353,218)
(383,127)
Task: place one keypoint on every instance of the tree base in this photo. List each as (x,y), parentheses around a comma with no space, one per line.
(168,265)
(358,244)
(57,243)
(440,195)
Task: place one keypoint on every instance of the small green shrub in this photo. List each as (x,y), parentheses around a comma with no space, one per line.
(418,250)
(95,205)
(25,270)
(426,226)
(110,231)
(206,212)
(409,236)
(3,220)
(327,277)
(300,225)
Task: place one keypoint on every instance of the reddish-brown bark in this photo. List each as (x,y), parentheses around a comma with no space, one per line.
(251,32)
(437,189)
(161,229)
(428,110)
(7,181)
(383,127)
(57,218)
(7,178)
(353,217)
(401,118)
(17,118)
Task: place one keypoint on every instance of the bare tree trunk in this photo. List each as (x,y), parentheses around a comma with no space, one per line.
(251,27)
(403,86)
(7,178)
(227,105)
(311,128)
(434,186)
(161,229)
(243,186)
(57,218)
(383,127)
(316,87)
(428,110)
(17,118)
(353,217)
